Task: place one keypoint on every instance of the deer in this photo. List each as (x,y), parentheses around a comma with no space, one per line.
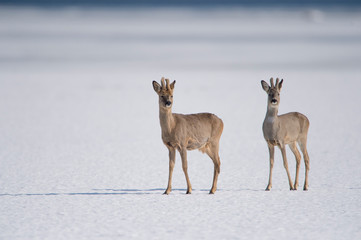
(184,132)
(281,130)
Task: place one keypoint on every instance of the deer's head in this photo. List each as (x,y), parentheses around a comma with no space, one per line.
(273,91)
(165,92)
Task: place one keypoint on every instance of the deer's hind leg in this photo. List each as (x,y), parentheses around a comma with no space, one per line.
(212,151)
(297,154)
(302,143)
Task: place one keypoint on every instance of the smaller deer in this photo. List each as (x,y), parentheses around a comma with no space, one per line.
(180,132)
(290,128)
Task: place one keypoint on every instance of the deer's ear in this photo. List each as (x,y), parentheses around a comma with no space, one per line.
(156,87)
(172,85)
(280,85)
(265,86)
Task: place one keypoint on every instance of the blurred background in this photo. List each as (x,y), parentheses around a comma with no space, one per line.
(170,35)
(202,3)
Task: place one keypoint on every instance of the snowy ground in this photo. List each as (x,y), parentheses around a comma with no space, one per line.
(80,150)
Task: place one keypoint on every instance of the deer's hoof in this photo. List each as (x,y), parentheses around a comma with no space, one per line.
(212,191)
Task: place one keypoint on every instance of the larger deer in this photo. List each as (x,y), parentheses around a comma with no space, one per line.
(180,132)
(290,128)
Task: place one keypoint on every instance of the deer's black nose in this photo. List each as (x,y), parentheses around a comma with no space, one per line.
(168,103)
(274,101)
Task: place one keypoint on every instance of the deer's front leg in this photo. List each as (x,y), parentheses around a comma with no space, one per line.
(271,149)
(183,153)
(285,164)
(171,167)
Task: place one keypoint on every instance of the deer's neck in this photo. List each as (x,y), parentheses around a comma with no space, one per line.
(166,120)
(271,124)
(272,114)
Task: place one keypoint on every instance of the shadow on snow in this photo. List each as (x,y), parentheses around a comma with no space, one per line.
(127,191)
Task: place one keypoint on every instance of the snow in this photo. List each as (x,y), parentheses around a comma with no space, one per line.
(81,155)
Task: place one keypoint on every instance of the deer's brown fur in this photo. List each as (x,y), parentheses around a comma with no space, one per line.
(187,132)
(282,130)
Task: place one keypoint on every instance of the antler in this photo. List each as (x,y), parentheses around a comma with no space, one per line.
(277,81)
(272,84)
(167,81)
(163,84)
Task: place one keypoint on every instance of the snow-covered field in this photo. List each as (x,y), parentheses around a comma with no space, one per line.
(81,155)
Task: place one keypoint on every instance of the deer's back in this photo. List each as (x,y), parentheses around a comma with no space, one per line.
(294,124)
(200,127)
(295,119)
